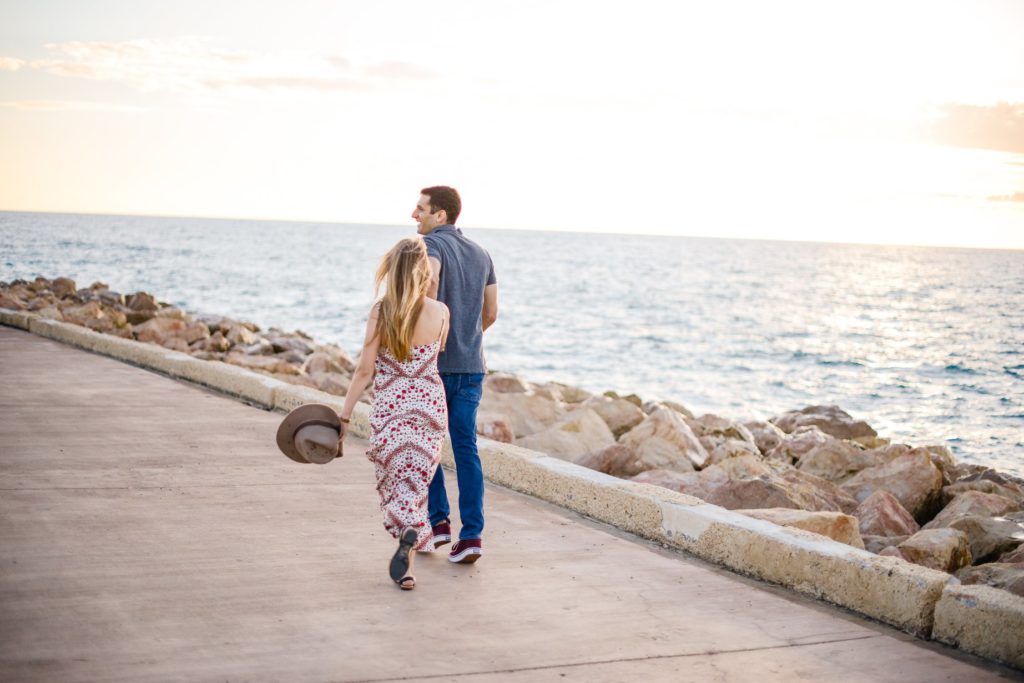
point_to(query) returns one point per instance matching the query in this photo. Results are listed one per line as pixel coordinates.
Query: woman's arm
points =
(364, 370)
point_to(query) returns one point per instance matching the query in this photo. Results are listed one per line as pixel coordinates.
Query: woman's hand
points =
(343, 432)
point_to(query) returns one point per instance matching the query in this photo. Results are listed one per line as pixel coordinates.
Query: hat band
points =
(318, 423)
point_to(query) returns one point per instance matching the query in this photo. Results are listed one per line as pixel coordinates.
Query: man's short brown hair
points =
(444, 197)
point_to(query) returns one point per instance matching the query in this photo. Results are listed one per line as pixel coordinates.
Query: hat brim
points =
(311, 413)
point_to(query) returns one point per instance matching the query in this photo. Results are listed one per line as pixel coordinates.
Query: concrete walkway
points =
(150, 531)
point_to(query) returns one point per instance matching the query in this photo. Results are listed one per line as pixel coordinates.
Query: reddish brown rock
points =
(265, 363)
(1010, 490)
(143, 301)
(876, 544)
(158, 330)
(495, 427)
(619, 414)
(664, 441)
(616, 460)
(575, 435)
(943, 549)
(912, 478)
(832, 420)
(63, 287)
(1013, 556)
(505, 383)
(766, 435)
(834, 525)
(795, 445)
(973, 503)
(882, 515)
(990, 537)
(1008, 576)
(683, 482)
(11, 302)
(836, 460)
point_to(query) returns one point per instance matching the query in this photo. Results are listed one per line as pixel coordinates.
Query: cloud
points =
(999, 127)
(194, 64)
(1015, 197)
(11, 64)
(69, 105)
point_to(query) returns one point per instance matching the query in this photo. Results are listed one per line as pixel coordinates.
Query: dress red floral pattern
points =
(409, 418)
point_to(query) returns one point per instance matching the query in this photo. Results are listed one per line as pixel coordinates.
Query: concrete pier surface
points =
(151, 531)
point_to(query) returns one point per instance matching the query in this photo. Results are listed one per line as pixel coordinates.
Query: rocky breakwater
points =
(817, 469)
(292, 357)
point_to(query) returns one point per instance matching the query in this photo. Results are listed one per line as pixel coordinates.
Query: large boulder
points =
(616, 460)
(1010, 490)
(527, 414)
(264, 363)
(159, 330)
(834, 525)
(973, 503)
(682, 482)
(664, 441)
(721, 448)
(320, 361)
(577, 434)
(912, 478)
(619, 414)
(990, 537)
(876, 544)
(143, 301)
(505, 383)
(1008, 576)
(495, 427)
(240, 335)
(63, 287)
(946, 550)
(801, 441)
(766, 435)
(836, 460)
(295, 342)
(881, 514)
(719, 427)
(832, 420)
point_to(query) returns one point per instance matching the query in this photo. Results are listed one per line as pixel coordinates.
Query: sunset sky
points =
(888, 122)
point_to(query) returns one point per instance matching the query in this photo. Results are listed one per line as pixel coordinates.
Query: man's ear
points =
(442, 217)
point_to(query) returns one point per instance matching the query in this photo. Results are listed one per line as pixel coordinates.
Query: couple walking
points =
(424, 352)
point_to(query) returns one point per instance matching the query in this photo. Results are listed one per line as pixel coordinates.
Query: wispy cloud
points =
(70, 105)
(999, 127)
(190, 64)
(11, 64)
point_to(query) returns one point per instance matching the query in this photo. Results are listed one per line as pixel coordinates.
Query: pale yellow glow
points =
(795, 120)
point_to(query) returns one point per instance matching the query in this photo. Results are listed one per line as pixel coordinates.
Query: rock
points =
(766, 435)
(876, 544)
(290, 356)
(677, 407)
(527, 414)
(50, 312)
(664, 441)
(175, 344)
(571, 394)
(616, 460)
(1011, 492)
(299, 380)
(505, 383)
(943, 549)
(261, 347)
(1013, 556)
(63, 287)
(79, 315)
(143, 301)
(828, 457)
(548, 391)
(158, 330)
(973, 503)
(172, 312)
(990, 537)
(834, 525)
(722, 448)
(832, 420)
(216, 343)
(882, 515)
(240, 334)
(338, 357)
(111, 298)
(264, 363)
(493, 426)
(335, 383)
(320, 361)
(578, 433)
(11, 302)
(715, 426)
(912, 478)
(683, 482)
(619, 414)
(795, 445)
(195, 331)
(285, 342)
(942, 457)
(1008, 576)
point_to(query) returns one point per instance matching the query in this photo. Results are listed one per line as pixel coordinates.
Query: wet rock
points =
(881, 514)
(664, 441)
(990, 537)
(1008, 576)
(495, 427)
(973, 503)
(505, 383)
(946, 550)
(619, 414)
(832, 420)
(912, 478)
(578, 433)
(835, 525)
(766, 435)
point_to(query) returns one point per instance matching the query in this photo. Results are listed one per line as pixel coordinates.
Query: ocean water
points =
(926, 344)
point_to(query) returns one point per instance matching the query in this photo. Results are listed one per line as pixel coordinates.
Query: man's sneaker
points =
(442, 534)
(466, 552)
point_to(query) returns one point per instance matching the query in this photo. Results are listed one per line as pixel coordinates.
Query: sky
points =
(880, 122)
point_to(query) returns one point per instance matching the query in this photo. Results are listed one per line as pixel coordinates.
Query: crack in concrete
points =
(706, 653)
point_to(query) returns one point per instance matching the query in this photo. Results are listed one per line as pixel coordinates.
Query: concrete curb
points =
(983, 620)
(905, 595)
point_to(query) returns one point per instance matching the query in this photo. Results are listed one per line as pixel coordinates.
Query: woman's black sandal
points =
(399, 567)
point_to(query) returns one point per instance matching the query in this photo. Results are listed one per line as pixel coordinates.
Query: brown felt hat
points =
(309, 434)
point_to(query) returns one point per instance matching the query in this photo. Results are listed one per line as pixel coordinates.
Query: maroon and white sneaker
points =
(442, 534)
(466, 552)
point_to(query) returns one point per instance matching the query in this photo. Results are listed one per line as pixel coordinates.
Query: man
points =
(463, 279)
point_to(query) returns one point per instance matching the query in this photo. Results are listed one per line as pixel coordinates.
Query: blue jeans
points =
(463, 392)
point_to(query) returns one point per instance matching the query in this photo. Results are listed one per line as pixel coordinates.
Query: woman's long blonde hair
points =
(405, 273)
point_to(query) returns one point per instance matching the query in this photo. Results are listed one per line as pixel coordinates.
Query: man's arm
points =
(435, 276)
(490, 312)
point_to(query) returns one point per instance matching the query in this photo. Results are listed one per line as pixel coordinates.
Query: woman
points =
(404, 335)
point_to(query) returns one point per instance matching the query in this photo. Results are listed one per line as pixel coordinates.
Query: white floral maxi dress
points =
(409, 418)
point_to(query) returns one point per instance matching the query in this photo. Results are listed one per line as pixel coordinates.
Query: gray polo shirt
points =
(466, 269)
